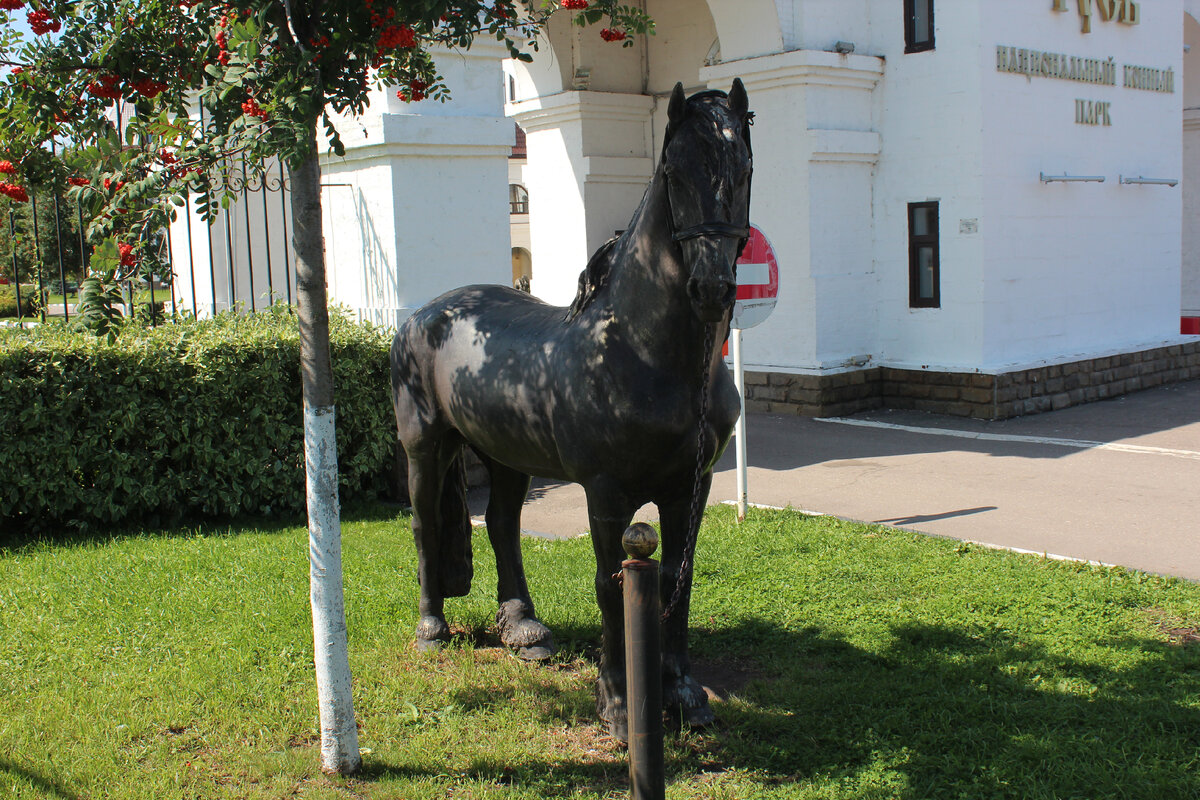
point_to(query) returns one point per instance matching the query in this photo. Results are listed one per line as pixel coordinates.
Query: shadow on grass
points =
(185, 528)
(937, 711)
(39, 782)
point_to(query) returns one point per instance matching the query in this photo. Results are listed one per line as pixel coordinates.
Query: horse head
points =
(707, 163)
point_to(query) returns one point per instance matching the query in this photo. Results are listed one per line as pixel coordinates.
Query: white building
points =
(927, 171)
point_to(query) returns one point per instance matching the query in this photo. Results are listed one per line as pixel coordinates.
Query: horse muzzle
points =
(711, 298)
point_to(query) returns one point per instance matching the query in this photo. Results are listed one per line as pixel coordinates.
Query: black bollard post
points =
(643, 664)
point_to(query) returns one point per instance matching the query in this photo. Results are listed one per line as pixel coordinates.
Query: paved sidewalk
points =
(1116, 481)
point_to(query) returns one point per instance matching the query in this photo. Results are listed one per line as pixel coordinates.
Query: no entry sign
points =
(758, 282)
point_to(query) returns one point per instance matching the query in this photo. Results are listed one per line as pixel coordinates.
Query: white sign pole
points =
(758, 285)
(739, 378)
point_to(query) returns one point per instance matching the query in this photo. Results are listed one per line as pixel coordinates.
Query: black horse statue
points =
(625, 392)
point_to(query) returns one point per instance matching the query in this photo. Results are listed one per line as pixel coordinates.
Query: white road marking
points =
(1078, 444)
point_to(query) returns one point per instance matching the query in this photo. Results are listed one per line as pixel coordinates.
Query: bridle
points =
(725, 229)
(714, 228)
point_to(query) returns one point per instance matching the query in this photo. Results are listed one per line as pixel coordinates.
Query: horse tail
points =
(455, 567)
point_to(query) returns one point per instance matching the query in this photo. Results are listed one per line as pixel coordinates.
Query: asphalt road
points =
(1116, 482)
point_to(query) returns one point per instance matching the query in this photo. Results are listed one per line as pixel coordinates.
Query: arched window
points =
(518, 199)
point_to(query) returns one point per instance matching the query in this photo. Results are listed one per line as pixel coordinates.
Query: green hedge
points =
(193, 418)
(8, 300)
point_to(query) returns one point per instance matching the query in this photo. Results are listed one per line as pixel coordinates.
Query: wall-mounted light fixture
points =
(1044, 178)
(1150, 181)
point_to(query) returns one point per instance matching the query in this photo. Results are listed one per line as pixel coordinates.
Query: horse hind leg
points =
(519, 626)
(441, 529)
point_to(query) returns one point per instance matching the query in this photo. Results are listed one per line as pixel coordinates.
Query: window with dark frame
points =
(918, 25)
(924, 278)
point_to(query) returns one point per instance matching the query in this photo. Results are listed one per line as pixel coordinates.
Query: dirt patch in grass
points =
(1178, 631)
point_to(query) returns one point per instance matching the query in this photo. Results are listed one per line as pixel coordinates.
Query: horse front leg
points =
(684, 698)
(519, 626)
(610, 514)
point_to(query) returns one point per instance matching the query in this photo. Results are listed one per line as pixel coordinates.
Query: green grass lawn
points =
(859, 662)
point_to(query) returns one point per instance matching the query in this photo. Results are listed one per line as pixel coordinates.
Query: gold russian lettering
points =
(1085, 15)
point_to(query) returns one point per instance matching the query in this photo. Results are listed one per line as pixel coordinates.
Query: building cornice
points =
(846, 146)
(556, 110)
(632, 170)
(799, 68)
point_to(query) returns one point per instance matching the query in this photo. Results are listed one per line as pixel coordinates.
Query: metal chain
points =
(689, 547)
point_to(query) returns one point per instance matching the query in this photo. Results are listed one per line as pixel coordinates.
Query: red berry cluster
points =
(14, 191)
(115, 186)
(502, 11)
(128, 259)
(148, 87)
(11, 5)
(17, 70)
(7, 167)
(394, 36)
(79, 181)
(612, 34)
(416, 91)
(109, 87)
(223, 40)
(41, 22)
(251, 108)
(574, 5)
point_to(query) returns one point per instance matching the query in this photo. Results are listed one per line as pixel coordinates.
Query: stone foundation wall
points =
(968, 394)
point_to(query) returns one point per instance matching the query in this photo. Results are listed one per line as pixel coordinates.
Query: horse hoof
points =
(619, 730)
(520, 630)
(537, 652)
(686, 702)
(432, 633)
(429, 645)
(699, 717)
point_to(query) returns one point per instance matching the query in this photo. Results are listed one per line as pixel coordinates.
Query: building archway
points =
(522, 268)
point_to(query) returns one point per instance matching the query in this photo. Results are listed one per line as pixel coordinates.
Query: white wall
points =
(929, 113)
(1191, 164)
(419, 203)
(1078, 268)
(814, 150)
(1029, 271)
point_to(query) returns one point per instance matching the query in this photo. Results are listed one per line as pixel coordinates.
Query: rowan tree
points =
(156, 97)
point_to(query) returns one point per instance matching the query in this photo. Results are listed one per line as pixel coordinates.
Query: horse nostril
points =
(720, 293)
(730, 293)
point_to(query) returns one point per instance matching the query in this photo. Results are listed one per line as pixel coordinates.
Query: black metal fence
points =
(240, 259)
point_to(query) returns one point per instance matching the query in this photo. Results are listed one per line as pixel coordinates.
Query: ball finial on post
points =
(640, 540)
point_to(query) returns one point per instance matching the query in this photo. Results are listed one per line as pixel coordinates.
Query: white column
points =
(419, 203)
(814, 151)
(589, 162)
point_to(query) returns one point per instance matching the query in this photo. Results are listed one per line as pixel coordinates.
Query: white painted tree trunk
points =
(339, 732)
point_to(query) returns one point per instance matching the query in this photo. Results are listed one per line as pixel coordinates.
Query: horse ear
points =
(738, 101)
(678, 106)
